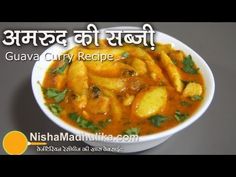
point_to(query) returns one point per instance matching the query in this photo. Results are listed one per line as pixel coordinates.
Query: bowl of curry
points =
(124, 91)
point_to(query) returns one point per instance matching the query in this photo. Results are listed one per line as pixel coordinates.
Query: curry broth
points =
(173, 103)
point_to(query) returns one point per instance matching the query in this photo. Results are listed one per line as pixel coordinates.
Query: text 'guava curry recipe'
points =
(139, 92)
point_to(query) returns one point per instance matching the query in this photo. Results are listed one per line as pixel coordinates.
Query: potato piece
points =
(128, 100)
(99, 105)
(149, 102)
(192, 89)
(116, 84)
(77, 81)
(155, 70)
(116, 108)
(172, 71)
(139, 66)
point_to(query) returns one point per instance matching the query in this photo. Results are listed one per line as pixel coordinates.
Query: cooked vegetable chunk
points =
(139, 66)
(172, 71)
(116, 108)
(128, 100)
(192, 89)
(155, 70)
(149, 102)
(116, 84)
(77, 81)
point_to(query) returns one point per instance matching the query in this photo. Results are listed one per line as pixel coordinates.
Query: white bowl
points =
(147, 141)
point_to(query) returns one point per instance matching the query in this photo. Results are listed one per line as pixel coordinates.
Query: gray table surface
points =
(214, 133)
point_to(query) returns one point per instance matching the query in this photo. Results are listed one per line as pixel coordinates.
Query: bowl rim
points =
(197, 114)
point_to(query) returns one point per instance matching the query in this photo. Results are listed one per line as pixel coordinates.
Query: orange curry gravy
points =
(175, 100)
